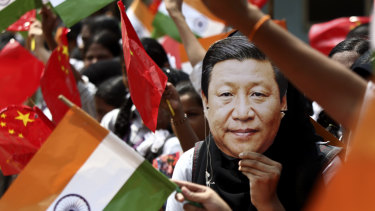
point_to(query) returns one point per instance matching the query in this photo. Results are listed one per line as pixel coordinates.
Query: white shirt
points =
(182, 171)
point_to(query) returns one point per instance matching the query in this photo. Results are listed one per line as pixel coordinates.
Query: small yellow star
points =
(24, 117)
(65, 70)
(20, 135)
(65, 51)
(11, 131)
(3, 124)
(3, 116)
(131, 52)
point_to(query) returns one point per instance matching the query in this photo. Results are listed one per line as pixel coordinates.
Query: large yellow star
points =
(3, 116)
(24, 117)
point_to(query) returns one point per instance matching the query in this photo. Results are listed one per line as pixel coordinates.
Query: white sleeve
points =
(182, 171)
(109, 119)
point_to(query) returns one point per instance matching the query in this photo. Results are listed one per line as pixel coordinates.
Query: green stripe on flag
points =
(14, 11)
(146, 189)
(72, 11)
(164, 25)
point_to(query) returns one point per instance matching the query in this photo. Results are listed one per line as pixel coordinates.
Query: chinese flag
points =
(324, 36)
(22, 131)
(58, 79)
(20, 74)
(352, 188)
(23, 24)
(146, 80)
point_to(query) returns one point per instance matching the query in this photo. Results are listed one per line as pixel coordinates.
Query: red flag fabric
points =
(61, 36)
(22, 131)
(324, 36)
(258, 3)
(23, 24)
(58, 79)
(146, 80)
(20, 74)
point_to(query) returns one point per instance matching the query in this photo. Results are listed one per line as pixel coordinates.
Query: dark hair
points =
(112, 91)
(354, 44)
(363, 65)
(175, 76)
(123, 120)
(102, 70)
(103, 23)
(185, 87)
(108, 40)
(74, 31)
(239, 48)
(296, 179)
(361, 31)
(155, 51)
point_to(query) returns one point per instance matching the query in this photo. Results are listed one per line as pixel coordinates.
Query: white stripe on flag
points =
(198, 23)
(57, 2)
(5, 3)
(101, 176)
(139, 28)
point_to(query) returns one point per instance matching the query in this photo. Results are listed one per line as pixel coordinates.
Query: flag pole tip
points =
(65, 100)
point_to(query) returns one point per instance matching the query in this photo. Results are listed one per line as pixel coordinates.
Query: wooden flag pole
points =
(170, 108)
(271, 8)
(66, 101)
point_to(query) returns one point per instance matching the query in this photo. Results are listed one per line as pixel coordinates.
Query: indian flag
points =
(12, 10)
(200, 20)
(72, 11)
(83, 166)
(141, 18)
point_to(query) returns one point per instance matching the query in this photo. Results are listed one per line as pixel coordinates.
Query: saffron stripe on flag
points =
(108, 167)
(201, 8)
(36, 188)
(142, 13)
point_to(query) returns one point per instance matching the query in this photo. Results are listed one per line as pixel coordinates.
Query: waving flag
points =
(20, 74)
(72, 11)
(58, 79)
(141, 17)
(202, 22)
(83, 166)
(22, 131)
(146, 80)
(324, 36)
